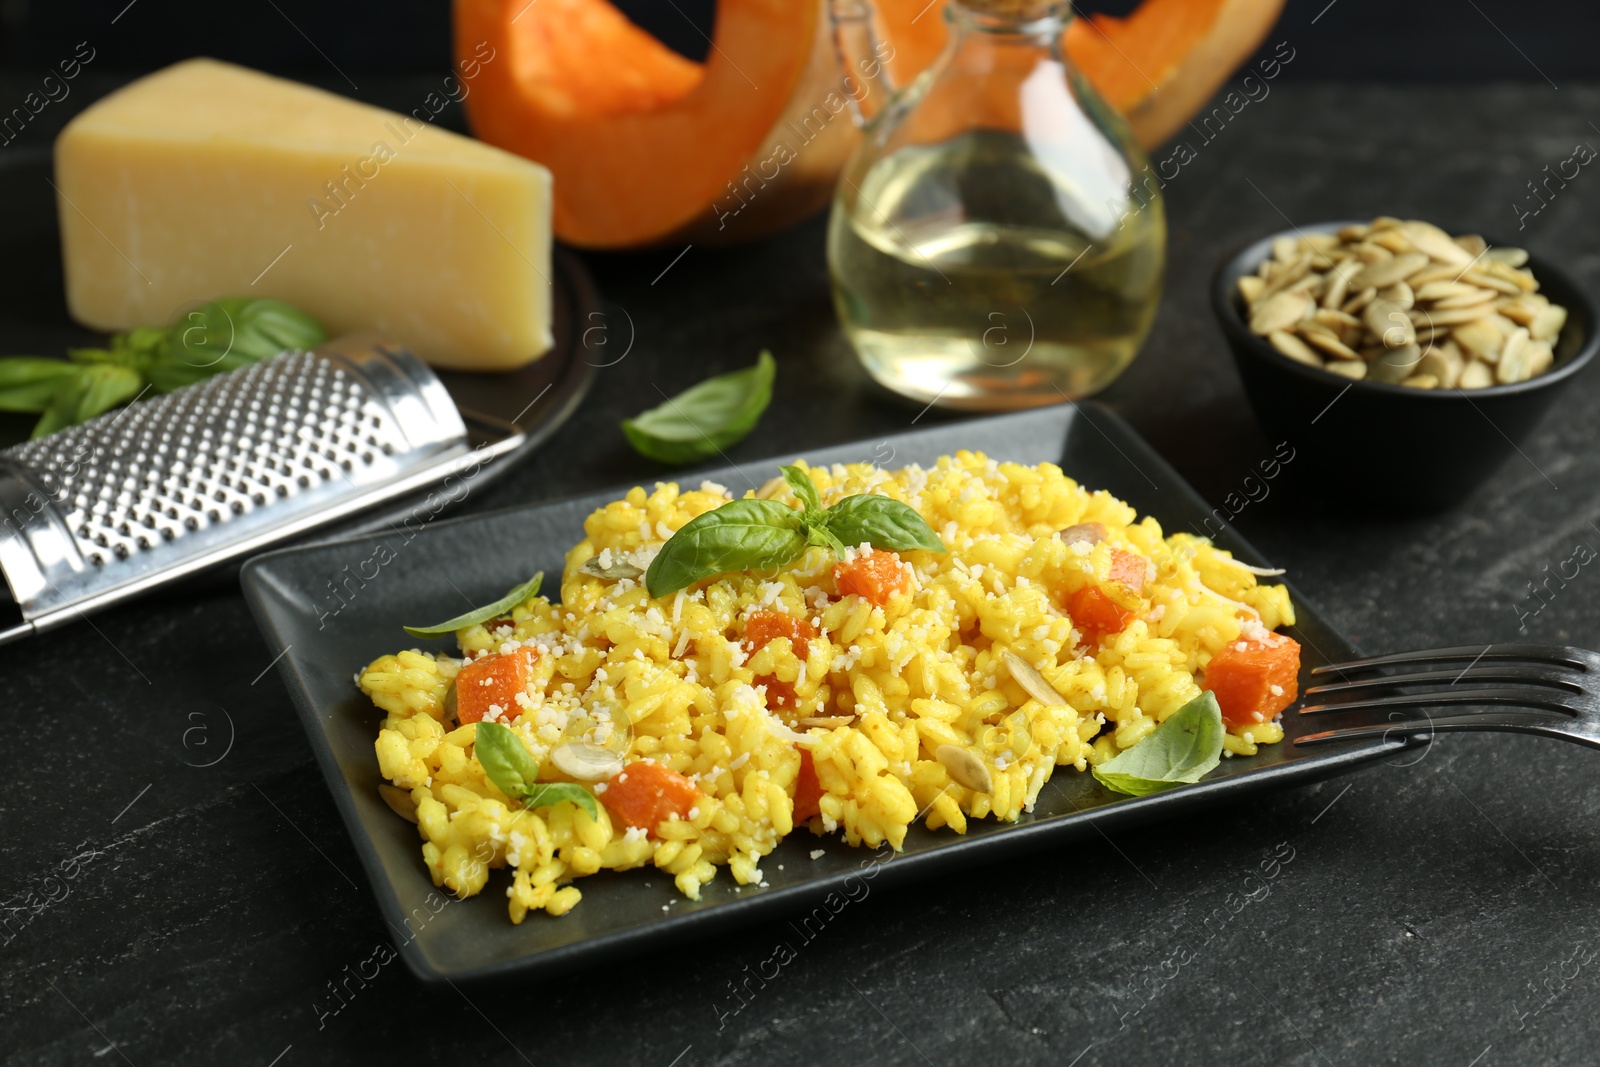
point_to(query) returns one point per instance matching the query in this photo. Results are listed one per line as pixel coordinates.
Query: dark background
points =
(1432, 911)
(1364, 40)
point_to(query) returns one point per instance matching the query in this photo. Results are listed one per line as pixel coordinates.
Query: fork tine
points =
(1532, 722)
(1555, 677)
(1522, 697)
(1539, 653)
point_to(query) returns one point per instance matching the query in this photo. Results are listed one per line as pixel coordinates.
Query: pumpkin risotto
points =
(851, 693)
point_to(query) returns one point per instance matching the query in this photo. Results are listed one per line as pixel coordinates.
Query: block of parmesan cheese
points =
(206, 180)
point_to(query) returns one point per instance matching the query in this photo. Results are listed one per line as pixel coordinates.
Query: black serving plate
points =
(324, 639)
(1411, 450)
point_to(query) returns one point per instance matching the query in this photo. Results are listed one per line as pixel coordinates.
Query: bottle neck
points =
(1040, 22)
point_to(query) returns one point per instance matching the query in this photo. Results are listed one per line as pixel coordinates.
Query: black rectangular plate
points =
(324, 638)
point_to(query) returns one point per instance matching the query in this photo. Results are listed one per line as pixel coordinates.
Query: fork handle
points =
(1537, 723)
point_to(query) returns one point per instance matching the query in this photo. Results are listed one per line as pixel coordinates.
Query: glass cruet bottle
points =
(997, 239)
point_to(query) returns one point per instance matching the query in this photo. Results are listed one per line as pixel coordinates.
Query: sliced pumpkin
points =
(1157, 66)
(648, 147)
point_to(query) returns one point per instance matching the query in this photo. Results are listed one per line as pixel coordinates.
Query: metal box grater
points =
(147, 494)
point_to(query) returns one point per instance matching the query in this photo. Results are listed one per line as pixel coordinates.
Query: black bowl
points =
(1413, 449)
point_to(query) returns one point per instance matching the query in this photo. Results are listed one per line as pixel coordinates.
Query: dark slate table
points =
(1435, 913)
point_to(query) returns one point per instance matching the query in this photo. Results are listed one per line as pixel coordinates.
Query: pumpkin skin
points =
(648, 148)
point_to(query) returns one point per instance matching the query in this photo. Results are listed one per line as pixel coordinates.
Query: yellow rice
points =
(670, 680)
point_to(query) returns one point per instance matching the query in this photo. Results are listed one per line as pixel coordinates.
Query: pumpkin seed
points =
(1484, 280)
(1336, 320)
(1520, 278)
(827, 722)
(1339, 282)
(1389, 324)
(1479, 339)
(1389, 271)
(1546, 325)
(1324, 339)
(1278, 312)
(586, 762)
(1402, 301)
(1359, 301)
(399, 802)
(1348, 368)
(1395, 241)
(1439, 272)
(615, 569)
(1471, 298)
(1090, 533)
(1450, 316)
(1443, 290)
(1429, 239)
(1294, 348)
(1037, 686)
(1501, 323)
(1521, 310)
(1288, 276)
(1476, 375)
(1311, 285)
(1399, 293)
(964, 768)
(1511, 257)
(1395, 365)
(1443, 363)
(1369, 253)
(1540, 358)
(1513, 365)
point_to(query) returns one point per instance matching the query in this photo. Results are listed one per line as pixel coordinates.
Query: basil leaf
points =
(511, 767)
(804, 489)
(222, 336)
(105, 387)
(1181, 750)
(58, 413)
(818, 534)
(250, 328)
(704, 419)
(168, 373)
(881, 522)
(741, 535)
(28, 383)
(93, 390)
(526, 591)
(505, 759)
(555, 792)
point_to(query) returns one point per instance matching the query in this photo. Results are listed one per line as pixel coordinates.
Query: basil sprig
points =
(27, 383)
(526, 591)
(706, 418)
(227, 334)
(753, 534)
(1182, 750)
(507, 762)
(221, 336)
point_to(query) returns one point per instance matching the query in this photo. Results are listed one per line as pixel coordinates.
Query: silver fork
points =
(1549, 690)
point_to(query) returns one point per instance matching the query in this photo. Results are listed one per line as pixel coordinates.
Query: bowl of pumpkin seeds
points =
(1394, 337)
